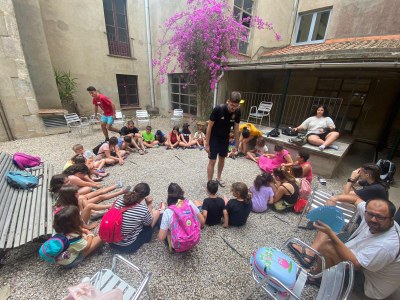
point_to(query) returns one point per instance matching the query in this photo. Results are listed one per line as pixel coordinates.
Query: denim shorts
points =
(108, 120)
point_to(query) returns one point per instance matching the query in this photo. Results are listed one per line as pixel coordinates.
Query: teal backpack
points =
(22, 180)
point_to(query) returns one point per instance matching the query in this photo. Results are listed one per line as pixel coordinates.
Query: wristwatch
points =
(351, 180)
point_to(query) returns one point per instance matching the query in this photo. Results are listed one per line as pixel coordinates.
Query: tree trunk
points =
(204, 98)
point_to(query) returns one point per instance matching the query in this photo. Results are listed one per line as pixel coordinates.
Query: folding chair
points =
(95, 119)
(106, 280)
(336, 282)
(177, 116)
(119, 118)
(142, 116)
(258, 113)
(319, 198)
(74, 121)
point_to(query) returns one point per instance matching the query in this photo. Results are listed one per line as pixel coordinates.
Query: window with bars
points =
(183, 94)
(312, 27)
(243, 9)
(117, 27)
(127, 90)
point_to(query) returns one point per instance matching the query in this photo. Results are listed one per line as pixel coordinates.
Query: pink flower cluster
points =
(201, 38)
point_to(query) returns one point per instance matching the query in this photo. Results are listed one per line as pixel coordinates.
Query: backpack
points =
(298, 140)
(304, 189)
(22, 160)
(185, 228)
(300, 205)
(289, 131)
(55, 248)
(274, 132)
(388, 170)
(96, 149)
(111, 224)
(22, 180)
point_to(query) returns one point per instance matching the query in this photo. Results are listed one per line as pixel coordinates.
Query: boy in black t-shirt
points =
(213, 207)
(133, 132)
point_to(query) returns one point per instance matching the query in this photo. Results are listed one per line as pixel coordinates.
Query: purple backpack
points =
(185, 228)
(22, 160)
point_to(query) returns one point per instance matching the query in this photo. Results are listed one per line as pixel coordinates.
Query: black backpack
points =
(388, 170)
(289, 131)
(97, 148)
(274, 132)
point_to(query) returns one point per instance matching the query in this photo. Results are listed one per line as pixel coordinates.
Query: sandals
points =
(221, 183)
(141, 152)
(302, 256)
(309, 226)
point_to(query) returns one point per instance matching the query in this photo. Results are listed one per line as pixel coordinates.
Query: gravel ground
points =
(210, 271)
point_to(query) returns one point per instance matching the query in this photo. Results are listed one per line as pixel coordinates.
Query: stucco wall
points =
(77, 42)
(16, 92)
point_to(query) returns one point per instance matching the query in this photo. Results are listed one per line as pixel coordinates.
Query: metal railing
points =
(119, 45)
(296, 108)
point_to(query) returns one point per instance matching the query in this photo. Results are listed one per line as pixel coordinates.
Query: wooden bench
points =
(324, 163)
(24, 215)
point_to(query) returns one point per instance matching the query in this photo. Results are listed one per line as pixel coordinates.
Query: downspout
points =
(216, 88)
(149, 54)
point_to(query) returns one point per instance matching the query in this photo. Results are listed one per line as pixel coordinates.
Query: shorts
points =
(109, 120)
(218, 146)
(143, 237)
(322, 136)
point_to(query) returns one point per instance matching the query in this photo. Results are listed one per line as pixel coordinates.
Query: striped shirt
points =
(133, 221)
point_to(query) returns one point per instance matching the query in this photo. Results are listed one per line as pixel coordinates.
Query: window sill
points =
(119, 56)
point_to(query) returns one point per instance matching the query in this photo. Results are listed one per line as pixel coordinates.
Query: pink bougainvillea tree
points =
(199, 40)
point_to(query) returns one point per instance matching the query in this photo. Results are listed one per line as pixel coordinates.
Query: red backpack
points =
(111, 224)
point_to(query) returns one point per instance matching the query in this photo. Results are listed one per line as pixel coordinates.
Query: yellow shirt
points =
(253, 129)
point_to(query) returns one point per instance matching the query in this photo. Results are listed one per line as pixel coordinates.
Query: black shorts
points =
(219, 147)
(322, 136)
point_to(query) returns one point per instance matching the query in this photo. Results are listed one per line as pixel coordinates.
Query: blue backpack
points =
(55, 248)
(22, 180)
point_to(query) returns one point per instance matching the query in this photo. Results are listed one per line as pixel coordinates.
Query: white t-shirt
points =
(377, 253)
(168, 214)
(314, 124)
(261, 150)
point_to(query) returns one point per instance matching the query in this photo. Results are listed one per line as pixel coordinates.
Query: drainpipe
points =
(216, 88)
(149, 54)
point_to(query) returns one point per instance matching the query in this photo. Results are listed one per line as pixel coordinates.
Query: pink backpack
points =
(22, 160)
(111, 224)
(305, 188)
(185, 228)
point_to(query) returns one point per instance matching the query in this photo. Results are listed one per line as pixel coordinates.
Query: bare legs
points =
(107, 127)
(317, 141)
(211, 165)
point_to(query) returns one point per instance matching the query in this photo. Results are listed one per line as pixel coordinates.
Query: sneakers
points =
(322, 147)
(334, 147)
(201, 148)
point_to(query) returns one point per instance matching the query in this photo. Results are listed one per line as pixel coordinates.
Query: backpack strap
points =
(125, 208)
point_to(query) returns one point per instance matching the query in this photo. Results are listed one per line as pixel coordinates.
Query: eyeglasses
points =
(377, 217)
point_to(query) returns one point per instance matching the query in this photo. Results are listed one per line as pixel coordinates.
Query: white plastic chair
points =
(95, 119)
(119, 118)
(177, 116)
(333, 280)
(105, 280)
(74, 121)
(142, 117)
(258, 113)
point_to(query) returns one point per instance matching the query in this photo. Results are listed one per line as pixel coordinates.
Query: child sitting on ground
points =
(173, 139)
(231, 145)
(281, 158)
(199, 137)
(176, 197)
(78, 174)
(128, 144)
(259, 150)
(238, 208)
(261, 192)
(111, 152)
(161, 137)
(213, 207)
(68, 222)
(149, 140)
(98, 164)
(185, 137)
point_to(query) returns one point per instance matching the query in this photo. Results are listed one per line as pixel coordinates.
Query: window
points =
(117, 27)
(183, 95)
(243, 9)
(127, 90)
(312, 27)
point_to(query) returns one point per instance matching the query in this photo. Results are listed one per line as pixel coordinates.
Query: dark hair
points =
(297, 171)
(261, 140)
(77, 168)
(242, 190)
(175, 128)
(245, 132)
(304, 155)
(391, 206)
(158, 132)
(68, 220)
(148, 127)
(235, 97)
(67, 196)
(175, 193)
(212, 187)
(130, 122)
(91, 89)
(127, 139)
(326, 112)
(263, 179)
(56, 182)
(278, 147)
(186, 130)
(113, 141)
(140, 191)
(375, 172)
(78, 159)
(283, 175)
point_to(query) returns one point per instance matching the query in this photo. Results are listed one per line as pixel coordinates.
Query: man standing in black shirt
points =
(222, 118)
